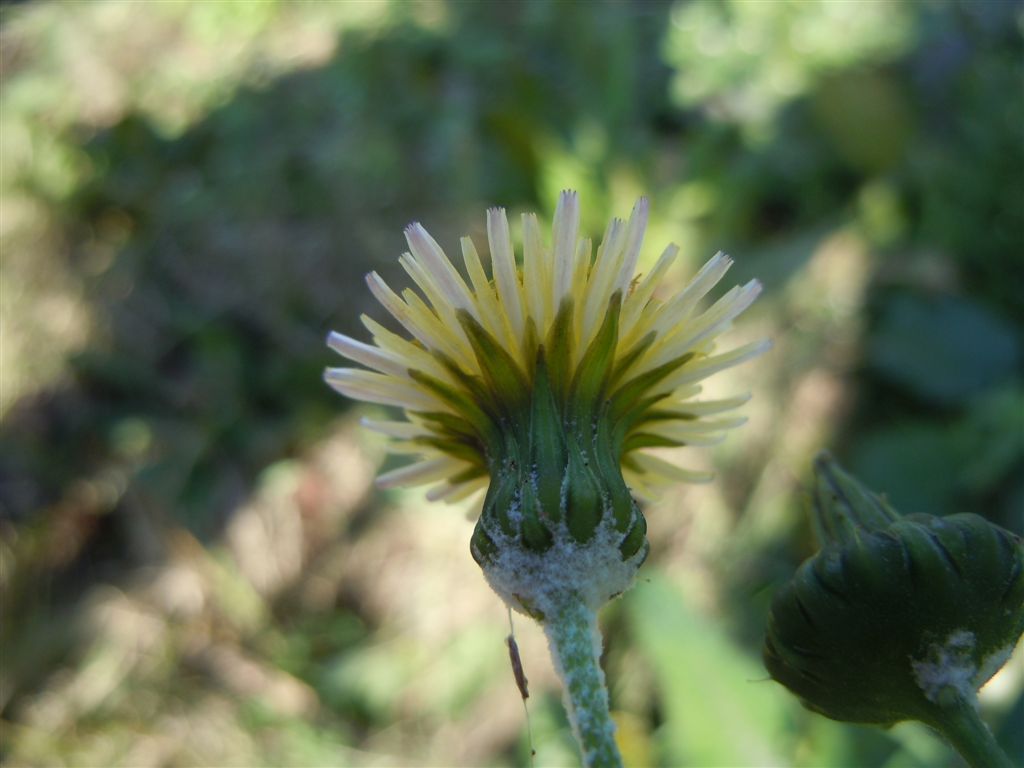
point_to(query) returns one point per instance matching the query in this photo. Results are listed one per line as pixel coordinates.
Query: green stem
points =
(575, 645)
(967, 733)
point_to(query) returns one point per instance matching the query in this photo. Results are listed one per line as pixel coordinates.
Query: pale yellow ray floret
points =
(555, 302)
(506, 274)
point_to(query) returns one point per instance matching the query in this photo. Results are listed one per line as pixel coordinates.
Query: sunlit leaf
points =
(720, 709)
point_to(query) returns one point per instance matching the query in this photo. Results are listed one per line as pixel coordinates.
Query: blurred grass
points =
(195, 569)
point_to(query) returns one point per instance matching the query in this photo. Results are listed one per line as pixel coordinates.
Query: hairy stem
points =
(576, 649)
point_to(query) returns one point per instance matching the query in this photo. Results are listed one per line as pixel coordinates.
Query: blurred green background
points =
(196, 569)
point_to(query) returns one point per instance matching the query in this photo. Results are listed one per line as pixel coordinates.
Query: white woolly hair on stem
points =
(575, 644)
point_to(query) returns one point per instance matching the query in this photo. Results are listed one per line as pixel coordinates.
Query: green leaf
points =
(717, 710)
(943, 350)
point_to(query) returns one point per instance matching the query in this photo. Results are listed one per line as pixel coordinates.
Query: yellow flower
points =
(443, 379)
(547, 384)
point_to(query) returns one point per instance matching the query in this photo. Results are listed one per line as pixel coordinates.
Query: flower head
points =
(548, 382)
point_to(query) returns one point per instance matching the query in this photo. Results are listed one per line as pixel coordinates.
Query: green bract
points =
(558, 462)
(556, 472)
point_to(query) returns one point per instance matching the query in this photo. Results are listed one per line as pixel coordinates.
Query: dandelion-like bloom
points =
(546, 384)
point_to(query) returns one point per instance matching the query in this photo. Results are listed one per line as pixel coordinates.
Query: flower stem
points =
(967, 733)
(575, 644)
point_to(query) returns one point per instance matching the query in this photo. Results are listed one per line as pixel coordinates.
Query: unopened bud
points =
(895, 614)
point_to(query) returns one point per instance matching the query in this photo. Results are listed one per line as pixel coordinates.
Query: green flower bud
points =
(895, 618)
